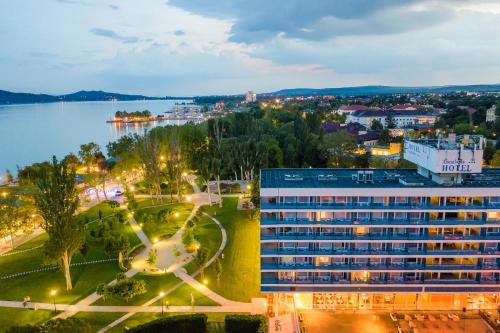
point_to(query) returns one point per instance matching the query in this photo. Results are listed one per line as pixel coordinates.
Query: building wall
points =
(373, 240)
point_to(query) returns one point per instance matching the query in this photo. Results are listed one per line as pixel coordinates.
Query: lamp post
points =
(53, 293)
(162, 302)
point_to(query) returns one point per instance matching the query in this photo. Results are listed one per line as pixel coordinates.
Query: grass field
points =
(10, 317)
(240, 277)
(209, 236)
(154, 228)
(85, 278)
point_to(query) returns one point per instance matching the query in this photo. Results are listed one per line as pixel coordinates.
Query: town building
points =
(250, 97)
(491, 114)
(425, 238)
(390, 152)
(348, 109)
(400, 118)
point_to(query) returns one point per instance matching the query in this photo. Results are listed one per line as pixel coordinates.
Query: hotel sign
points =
(444, 161)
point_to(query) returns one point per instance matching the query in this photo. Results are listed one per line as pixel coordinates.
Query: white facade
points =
(250, 97)
(491, 114)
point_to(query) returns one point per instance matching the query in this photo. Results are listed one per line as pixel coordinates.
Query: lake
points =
(34, 132)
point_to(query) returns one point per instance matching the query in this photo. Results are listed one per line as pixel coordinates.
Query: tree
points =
(152, 257)
(385, 138)
(495, 161)
(14, 217)
(164, 214)
(188, 239)
(201, 259)
(113, 204)
(389, 120)
(148, 148)
(56, 199)
(90, 154)
(340, 148)
(58, 325)
(117, 243)
(218, 269)
(176, 253)
(376, 125)
(126, 288)
(8, 176)
(103, 290)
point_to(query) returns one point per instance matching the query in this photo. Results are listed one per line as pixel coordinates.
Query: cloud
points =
(260, 20)
(179, 32)
(114, 7)
(113, 35)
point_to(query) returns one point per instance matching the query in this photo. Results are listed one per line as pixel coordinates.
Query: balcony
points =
(339, 206)
(330, 281)
(383, 253)
(371, 237)
(350, 222)
(368, 267)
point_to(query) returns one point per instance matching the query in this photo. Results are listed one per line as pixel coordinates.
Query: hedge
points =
(188, 323)
(246, 324)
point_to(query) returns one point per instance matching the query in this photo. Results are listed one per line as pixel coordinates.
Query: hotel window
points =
(340, 216)
(495, 200)
(325, 216)
(364, 201)
(341, 200)
(322, 261)
(325, 200)
(378, 216)
(289, 199)
(303, 215)
(401, 200)
(288, 246)
(492, 216)
(303, 199)
(399, 216)
(363, 216)
(414, 216)
(287, 261)
(304, 246)
(325, 246)
(379, 201)
(289, 216)
(360, 231)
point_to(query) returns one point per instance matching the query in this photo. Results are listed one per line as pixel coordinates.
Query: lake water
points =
(34, 132)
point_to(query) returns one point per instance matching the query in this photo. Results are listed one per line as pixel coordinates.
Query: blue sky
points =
(195, 47)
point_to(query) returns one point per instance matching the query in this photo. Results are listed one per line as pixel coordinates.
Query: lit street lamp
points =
(53, 294)
(162, 302)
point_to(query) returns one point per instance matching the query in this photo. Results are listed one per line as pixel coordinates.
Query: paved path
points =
(245, 307)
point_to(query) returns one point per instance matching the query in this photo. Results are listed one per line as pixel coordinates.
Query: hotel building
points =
(425, 238)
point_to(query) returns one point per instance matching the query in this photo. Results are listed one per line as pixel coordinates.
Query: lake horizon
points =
(32, 133)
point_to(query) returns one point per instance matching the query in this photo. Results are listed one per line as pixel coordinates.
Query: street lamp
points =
(4, 194)
(176, 214)
(162, 302)
(53, 293)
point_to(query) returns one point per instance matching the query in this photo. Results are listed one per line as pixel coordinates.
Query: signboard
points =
(444, 161)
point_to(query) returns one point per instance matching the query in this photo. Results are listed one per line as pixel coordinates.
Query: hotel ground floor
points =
(286, 302)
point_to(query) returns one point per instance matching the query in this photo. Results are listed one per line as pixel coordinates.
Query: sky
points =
(202, 47)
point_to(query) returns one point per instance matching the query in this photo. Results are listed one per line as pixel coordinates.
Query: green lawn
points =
(85, 278)
(182, 296)
(154, 228)
(10, 317)
(154, 285)
(98, 320)
(209, 236)
(240, 276)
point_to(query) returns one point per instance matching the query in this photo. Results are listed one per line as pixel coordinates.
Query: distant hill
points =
(7, 97)
(385, 90)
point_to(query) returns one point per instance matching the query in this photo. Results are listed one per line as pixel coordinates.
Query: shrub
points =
(246, 324)
(188, 323)
(73, 325)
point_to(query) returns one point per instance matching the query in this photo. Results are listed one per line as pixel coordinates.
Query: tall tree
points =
(57, 200)
(148, 147)
(14, 217)
(90, 153)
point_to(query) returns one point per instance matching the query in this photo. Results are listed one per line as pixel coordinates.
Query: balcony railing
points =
(355, 252)
(327, 281)
(368, 267)
(372, 206)
(350, 222)
(384, 237)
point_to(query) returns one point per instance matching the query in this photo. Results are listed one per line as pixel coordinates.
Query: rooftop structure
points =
(250, 97)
